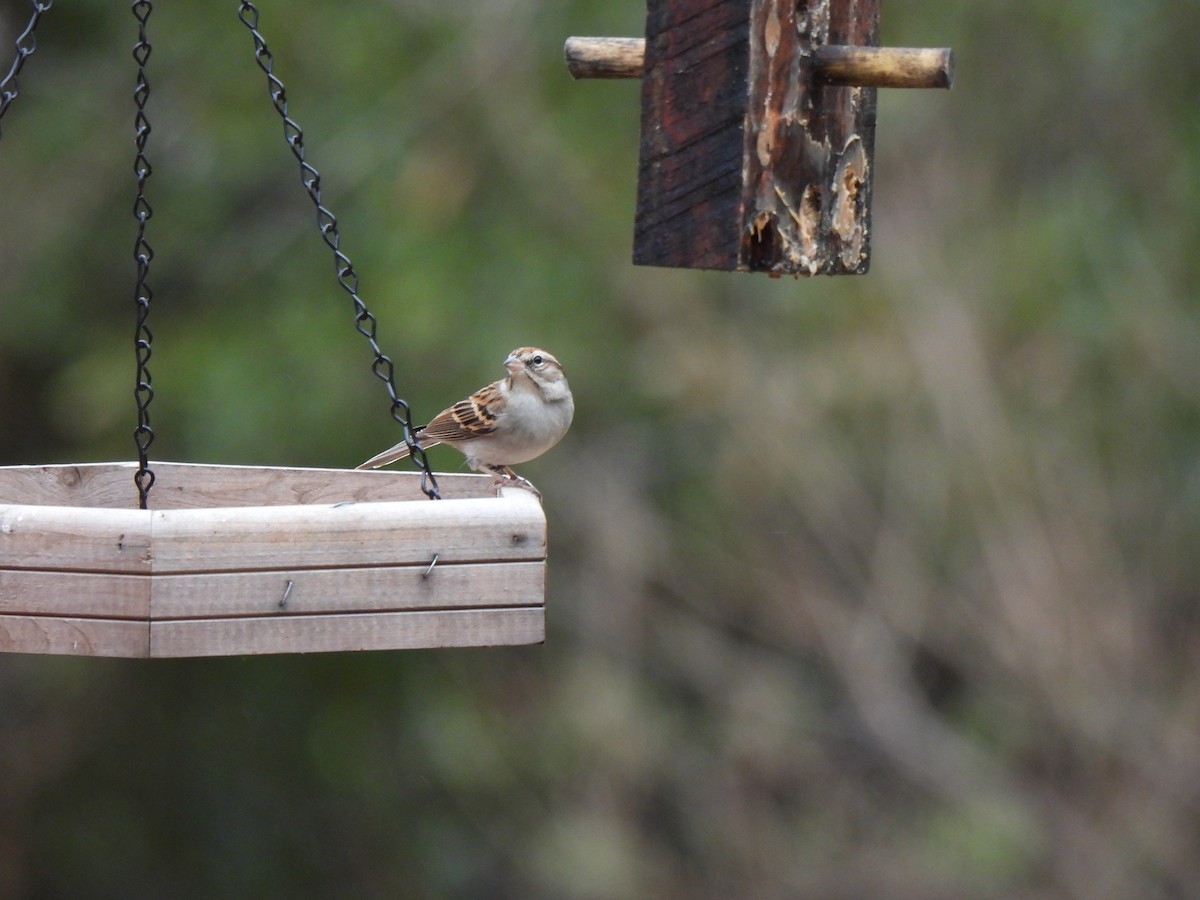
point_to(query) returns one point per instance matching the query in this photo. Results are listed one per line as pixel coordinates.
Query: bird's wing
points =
(467, 419)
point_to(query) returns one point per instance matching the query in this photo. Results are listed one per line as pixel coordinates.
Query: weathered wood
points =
(364, 631)
(246, 612)
(746, 163)
(55, 593)
(605, 57)
(198, 486)
(74, 539)
(75, 636)
(884, 67)
(377, 589)
(355, 534)
(694, 96)
(890, 67)
(278, 576)
(268, 537)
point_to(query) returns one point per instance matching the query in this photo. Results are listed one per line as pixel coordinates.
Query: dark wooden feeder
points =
(758, 129)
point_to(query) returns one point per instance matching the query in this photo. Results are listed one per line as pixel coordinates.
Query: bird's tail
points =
(391, 455)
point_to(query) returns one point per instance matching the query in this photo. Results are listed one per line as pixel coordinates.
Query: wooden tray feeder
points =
(226, 560)
(758, 129)
(239, 560)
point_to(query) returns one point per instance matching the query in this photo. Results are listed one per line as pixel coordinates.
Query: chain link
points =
(10, 85)
(364, 322)
(142, 253)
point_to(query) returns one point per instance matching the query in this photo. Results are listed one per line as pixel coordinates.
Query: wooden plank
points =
(190, 485)
(693, 114)
(364, 631)
(74, 538)
(73, 636)
(382, 589)
(358, 534)
(746, 163)
(86, 595)
(511, 527)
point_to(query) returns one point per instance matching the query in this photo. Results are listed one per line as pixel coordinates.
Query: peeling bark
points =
(746, 164)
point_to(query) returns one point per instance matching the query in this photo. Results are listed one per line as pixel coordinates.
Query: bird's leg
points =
(504, 476)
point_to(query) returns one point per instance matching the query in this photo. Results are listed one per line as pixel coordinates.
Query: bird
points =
(507, 422)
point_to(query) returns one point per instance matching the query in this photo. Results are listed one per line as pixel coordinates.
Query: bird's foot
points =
(503, 476)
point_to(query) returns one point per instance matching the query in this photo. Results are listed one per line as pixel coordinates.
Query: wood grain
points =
(693, 112)
(73, 538)
(194, 485)
(75, 637)
(366, 631)
(89, 595)
(380, 589)
(359, 534)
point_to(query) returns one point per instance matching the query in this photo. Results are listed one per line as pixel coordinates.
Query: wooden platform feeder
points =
(758, 129)
(238, 560)
(169, 560)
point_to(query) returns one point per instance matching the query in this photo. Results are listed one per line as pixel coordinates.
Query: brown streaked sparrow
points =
(510, 421)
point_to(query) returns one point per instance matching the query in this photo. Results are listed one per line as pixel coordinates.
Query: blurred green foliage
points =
(879, 586)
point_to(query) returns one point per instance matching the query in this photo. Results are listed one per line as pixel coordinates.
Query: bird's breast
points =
(528, 428)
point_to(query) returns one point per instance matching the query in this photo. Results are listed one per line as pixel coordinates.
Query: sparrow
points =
(510, 421)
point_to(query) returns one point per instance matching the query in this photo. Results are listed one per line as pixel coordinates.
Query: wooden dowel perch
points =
(890, 67)
(842, 65)
(605, 57)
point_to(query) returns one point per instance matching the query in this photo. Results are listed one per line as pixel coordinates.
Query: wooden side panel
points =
(693, 114)
(196, 486)
(74, 636)
(256, 612)
(74, 539)
(78, 594)
(363, 631)
(361, 534)
(381, 589)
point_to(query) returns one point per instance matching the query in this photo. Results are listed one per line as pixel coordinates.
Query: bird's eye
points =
(537, 360)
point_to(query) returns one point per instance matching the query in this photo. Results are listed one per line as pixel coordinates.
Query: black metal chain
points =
(10, 85)
(143, 435)
(364, 322)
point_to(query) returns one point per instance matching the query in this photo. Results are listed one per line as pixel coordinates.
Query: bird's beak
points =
(513, 365)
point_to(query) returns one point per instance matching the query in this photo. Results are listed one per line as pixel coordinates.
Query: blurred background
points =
(859, 587)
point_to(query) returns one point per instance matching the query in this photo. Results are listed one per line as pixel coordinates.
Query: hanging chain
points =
(26, 43)
(143, 435)
(364, 322)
